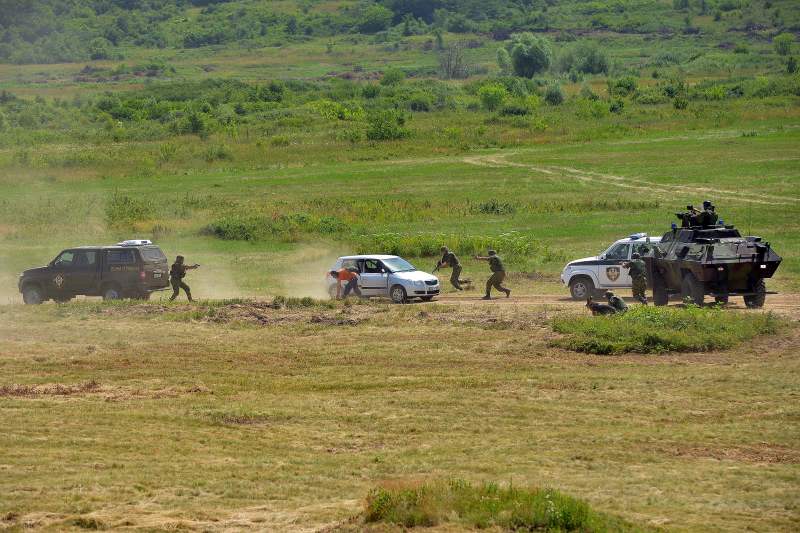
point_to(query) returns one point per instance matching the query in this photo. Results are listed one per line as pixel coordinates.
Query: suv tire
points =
(756, 301)
(111, 292)
(398, 294)
(692, 290)
(32, 295)
(581, 287)
(660, 296)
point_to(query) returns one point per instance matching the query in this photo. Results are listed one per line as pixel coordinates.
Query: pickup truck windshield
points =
(398, 265)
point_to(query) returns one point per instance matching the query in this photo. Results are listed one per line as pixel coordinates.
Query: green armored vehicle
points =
(699, 260)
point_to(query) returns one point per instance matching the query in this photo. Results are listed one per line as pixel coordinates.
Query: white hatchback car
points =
(585, 277)
(387, 276)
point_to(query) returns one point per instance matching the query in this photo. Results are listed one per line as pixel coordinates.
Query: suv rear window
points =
(121, 257)
(153, 255)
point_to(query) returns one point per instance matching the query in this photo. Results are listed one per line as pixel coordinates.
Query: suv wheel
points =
(581, 287)
(111, 293)
(692, 291)
(757, 300)
(398, 294)
(32, 295)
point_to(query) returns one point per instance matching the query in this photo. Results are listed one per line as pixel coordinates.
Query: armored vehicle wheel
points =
(660, 296)
(692, 290)
(398, 294)
(111, 293)
(581, 287)
(757, 300)
(32, 295)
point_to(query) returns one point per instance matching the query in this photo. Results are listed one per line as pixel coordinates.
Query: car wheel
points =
(111, 293)
(692, 291)
(660, 296)
(757, 300)
(581, 287)
(32, 295)
(398, 294)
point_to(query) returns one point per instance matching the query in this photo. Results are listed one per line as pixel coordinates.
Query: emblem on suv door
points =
(59, 280)
(612, 273)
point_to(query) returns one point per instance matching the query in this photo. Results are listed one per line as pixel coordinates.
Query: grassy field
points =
(238, 416)
(272, 151)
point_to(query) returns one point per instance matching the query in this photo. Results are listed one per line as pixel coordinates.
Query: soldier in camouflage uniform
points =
(450, 259)
(638, 273)
(616, 302)
(498, 274)
(176, 274)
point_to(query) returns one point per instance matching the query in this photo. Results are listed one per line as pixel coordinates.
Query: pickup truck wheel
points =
(32, 295)
(692, 291)
(660, 296)
(757, 300)
(111, 293)
(581, 287)
(398, 294)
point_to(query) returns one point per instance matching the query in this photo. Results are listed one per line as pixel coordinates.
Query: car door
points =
(57, 285)
(611, 273)
(82, 273)
(121, 267)
(374, 278)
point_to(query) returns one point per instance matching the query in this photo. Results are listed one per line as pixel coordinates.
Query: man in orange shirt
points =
(350, 278)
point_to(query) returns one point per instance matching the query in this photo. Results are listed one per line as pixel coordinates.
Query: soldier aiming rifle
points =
(176, 274)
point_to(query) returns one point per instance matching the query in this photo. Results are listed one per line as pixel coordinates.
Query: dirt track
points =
(786, 304)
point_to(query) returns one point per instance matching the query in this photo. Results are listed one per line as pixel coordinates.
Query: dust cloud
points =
(212, 281)
(305, 269)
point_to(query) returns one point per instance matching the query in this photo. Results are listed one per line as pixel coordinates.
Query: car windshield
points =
(397, 264)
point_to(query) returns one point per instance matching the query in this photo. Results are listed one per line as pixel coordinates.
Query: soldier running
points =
(638, 273)
(450, 259)
(176, 274)
(498, 274)
(616, 302)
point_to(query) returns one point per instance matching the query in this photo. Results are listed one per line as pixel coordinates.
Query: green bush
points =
(393, 76)
(122, 209)
(530, 54)
(387, 125)
(485, 506)
(554, 95)
(662, 329)
(492, 96)
(783, 43)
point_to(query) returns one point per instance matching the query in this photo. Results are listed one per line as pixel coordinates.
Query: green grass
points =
(483, 506)
(663, 329)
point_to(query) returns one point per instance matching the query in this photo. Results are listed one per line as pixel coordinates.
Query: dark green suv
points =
(130, 269)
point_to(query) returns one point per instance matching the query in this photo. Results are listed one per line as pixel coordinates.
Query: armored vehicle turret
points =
(716, 260)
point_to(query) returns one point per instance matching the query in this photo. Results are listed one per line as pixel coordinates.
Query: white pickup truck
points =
(590, 275)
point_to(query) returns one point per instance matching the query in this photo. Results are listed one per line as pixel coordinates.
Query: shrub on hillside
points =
(554, 95)
(492, 96)
(530, 54)
(387, 125)
(783, 43)
(662, 329)
(486, 506)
